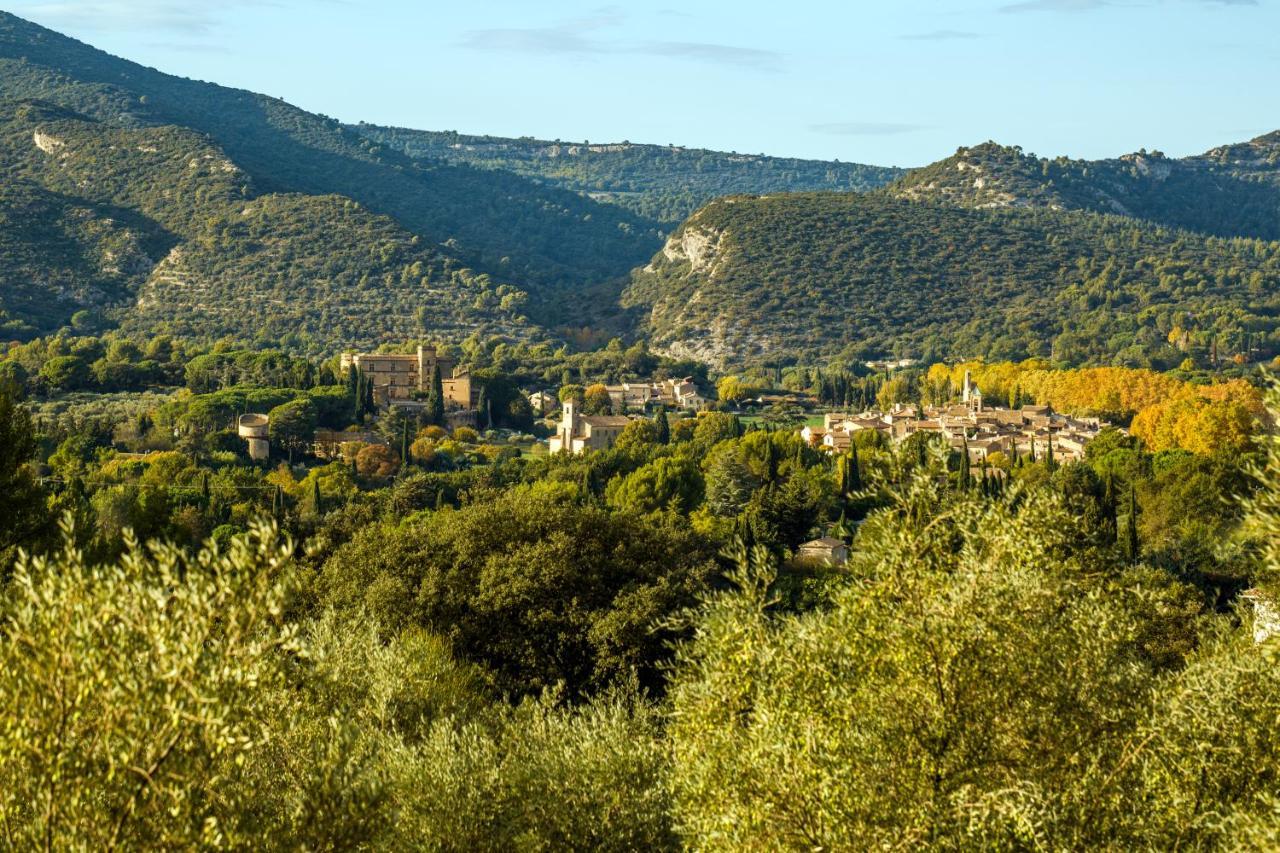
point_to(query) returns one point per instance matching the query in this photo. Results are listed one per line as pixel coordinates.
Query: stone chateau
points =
(403, 377)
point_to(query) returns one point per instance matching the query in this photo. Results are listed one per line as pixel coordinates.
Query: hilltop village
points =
(968, 426)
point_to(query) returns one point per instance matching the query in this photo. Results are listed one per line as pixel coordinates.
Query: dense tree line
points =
(1212, 196)
(663, 183)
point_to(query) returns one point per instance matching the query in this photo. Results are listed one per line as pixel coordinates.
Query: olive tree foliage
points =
(980, 681)
(130, 691)
(967, 689)
(167, 701)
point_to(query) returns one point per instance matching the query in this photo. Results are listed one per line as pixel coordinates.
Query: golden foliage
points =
(1167, 412)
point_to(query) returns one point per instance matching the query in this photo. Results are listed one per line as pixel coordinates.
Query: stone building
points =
(403, 376)
(579, 433)
(827, 551)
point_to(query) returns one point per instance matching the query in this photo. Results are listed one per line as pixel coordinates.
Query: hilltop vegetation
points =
(814, 276)
(661, 182)
(168, 234)
(493, 220)
(60, 255)
(1232, 191)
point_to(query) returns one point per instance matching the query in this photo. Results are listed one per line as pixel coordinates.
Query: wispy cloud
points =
(583, 36)
(706, 52)
(189, 19)
(1088, 5)
(866, 128)
(941, 35)
(1055, 6)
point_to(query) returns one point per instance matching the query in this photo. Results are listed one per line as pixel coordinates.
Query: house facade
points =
(578, 433)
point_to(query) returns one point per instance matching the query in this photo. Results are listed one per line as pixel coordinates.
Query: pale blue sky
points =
(899, 82)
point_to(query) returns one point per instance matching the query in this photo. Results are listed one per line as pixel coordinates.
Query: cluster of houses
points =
(578, 433)
(1028, 432)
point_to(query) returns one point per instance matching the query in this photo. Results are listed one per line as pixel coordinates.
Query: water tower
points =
(253, 429)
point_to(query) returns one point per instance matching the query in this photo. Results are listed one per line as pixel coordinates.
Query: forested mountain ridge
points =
(1232, 191)
(497, 221)
(171, 235)
(815, 276)
(662, 182)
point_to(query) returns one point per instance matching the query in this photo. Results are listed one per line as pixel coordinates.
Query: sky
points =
(892, 82)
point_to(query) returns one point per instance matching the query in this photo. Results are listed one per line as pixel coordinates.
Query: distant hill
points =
(659, 182)
(1230, 191)
(540, 236)
(815, 276)
(159, 228)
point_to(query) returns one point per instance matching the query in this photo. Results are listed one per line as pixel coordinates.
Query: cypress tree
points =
(1109, 507)
(435, 398)
(965, 478)
(277, 503)
(1049, 459)
(317, 504)
(1133, 547)
(369, 406)
(204, 488)
(663, 425)
(482, 405)
(404, 441)
(855, 469)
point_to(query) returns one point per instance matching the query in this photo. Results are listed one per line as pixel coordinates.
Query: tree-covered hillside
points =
(1233, 191)
(817, 275)
(497, 221)
(188, 244)
(59, 255)
(662, 182)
